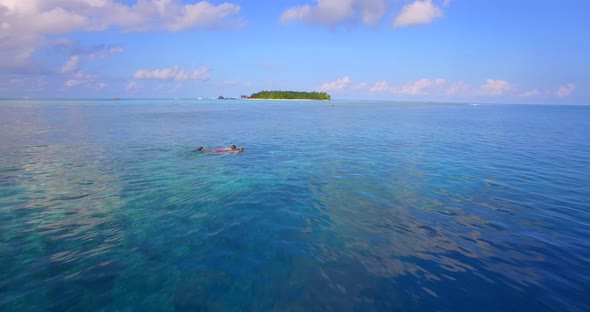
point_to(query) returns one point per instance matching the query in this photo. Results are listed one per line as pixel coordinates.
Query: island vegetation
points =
(290, 95)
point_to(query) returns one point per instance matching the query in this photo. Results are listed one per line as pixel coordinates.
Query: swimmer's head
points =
(201, 148)
(240, 149)
(233, 147)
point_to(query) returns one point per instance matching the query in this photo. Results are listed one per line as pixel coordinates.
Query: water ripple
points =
(372, 206)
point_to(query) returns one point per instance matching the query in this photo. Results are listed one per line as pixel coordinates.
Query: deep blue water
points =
(360, 206)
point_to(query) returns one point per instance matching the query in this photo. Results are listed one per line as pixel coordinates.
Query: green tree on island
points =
(290, 95)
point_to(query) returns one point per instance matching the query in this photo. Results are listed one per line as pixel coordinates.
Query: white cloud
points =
(381, 86)
(418, 87)
(71, 64)
(131, 86)
(72, 83)
(566, 90)
(78, 79)
(296, 13)
(335, 12)
(84, 79)
(531, 93)
(336, 85)
(25, 83)
(442, 89)
(173, 73)
(198, 15)
(62, 16)
(16, 52)
(24, 24)
(496, 87)
(432, 87)
(361, 86)
(416, 13)
(459, 88)
(102, 53)
(88, 54)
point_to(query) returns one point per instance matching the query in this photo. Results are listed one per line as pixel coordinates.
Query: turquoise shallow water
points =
(105, 205)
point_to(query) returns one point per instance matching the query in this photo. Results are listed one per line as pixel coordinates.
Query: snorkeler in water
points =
(231, 149)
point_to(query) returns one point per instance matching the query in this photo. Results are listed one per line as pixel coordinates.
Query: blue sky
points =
(501, 51)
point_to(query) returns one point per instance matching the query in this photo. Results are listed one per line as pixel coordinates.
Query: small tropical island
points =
(290, 95)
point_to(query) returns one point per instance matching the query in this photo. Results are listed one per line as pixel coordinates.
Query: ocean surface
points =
(332, 206)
